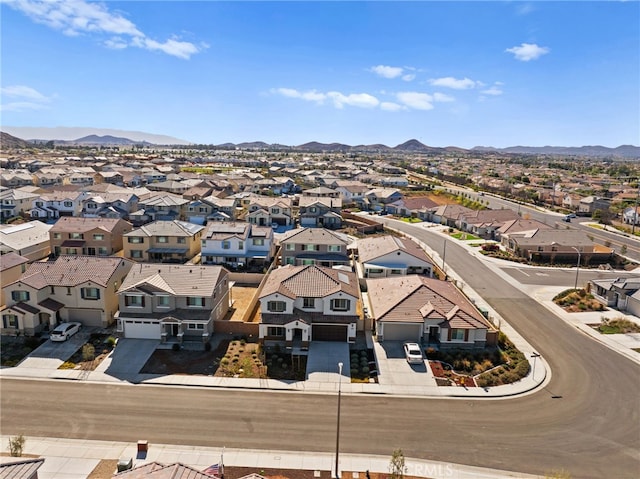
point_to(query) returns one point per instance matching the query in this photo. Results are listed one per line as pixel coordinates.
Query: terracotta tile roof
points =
(372, 248)
(220, 230)
(72, 271)
(167, 228)
(11, 259)
(156, 470)
(413, 298)
(310, 281)
(179, 280)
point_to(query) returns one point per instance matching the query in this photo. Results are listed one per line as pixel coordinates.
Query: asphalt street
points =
(586, 421)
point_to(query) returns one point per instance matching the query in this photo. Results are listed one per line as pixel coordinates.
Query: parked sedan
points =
(64, 331)
(413, 353)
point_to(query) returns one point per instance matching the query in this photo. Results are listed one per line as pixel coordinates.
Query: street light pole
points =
(535, 356)
(577, 266)
(338, 426)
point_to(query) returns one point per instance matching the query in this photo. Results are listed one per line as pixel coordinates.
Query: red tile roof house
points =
(88, 236)
(299, 304)
(72, 288)
(420, 309)
(173, 303)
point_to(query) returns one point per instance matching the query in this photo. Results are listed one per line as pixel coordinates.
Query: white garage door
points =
(137, 329)
(88, 317)
(402, 332)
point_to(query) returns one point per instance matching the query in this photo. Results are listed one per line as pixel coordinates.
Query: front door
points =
(175, 329)
(433, 334)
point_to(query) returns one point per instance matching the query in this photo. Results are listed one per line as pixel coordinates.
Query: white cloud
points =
(527, 51)
(451, 82)
(525, 9)
(409, 77)
(443, 98)
(494, 91)
(387, 71)
(415, 100)
(78, 17)
(391, 106)
(361, 100)
(23, 98)
(311, 95)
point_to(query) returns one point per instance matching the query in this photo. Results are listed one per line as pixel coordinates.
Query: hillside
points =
(8, 142)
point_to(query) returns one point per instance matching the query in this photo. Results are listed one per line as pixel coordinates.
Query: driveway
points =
(51, 355)
(128, 357)
(394, 370)
(323, 359)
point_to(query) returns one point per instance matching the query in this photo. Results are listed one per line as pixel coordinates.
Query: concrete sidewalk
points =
(76, 459)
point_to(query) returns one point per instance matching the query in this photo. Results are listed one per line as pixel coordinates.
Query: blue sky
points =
(445, 73)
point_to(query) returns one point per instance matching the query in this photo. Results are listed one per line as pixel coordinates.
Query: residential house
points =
(211, 208)
(383, 256)
(305, 246)
(485, 223)
(321, 192)
(631, 215)
(352, 192)
(590, 204)
(12, 265)
(71, 288)
(111, 177)
(160, 207)
(109, 205)
(163, 242)
(300, 304)
(557, 246)
(30, 240)
(519, 226)
(416, 207)
(172, 303)
(15, 178)
(427, 310)
(170, 186)
(322, 212)
(21, 468)
(617, 293)
(448, 214)
(55, 204)
(88, 236)
(15, 202)
(237, 244)
(266, 211)
(571, 201)
(157, 470)
(380, 197)
(275, 186)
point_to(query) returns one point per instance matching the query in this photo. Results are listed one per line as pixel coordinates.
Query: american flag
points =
(215, 469)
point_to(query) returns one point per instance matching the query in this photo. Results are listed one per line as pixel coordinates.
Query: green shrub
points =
(224, 361)
(175, 347)
(111, 341)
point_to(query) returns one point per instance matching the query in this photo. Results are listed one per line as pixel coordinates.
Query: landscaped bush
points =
(175, 347)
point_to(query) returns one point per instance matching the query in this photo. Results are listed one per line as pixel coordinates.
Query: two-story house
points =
(53, 205)
(87, 236)
(305, 246)
(267, 211)
(383, 256)
(237, 244)
(172, 303)
(12, 265)
(320, 212)
(109, 205)
(15, 202)
(71, 288)
(299, 304)
(160, 207)
(30, 240)
(163, 242)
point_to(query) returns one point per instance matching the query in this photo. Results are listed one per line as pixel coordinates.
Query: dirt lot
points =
(167, 361)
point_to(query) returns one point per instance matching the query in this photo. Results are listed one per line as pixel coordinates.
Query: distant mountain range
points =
(102, 137)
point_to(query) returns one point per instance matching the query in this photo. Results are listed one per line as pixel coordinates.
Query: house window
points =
(275, 331)
(195, 326)
(68, 291)
(68, 204)
(134, 300)
(72, 251)
(375, 270)
(90, 293)
(313, 209)
(136, 253)
(163, 301)
(10, 320)
(276, 306)
(335, 248)
(457, 334)
(57, 236)
(258, 241)
(290, 247)
(102, 251)
(20, 295)
(195, 302)
(290, 260)
(308, 303)
(34, 214)
(540, 248)
(202, 210)
(396, 271)
(275, 211)
(39, 204)
(98, 237)
(53, 289)
(135, 239)
(226, 245)
(340, 304)
(182, 240)
(91, 206)
(307, 262)
(76, 236)
(240, 244)
(310, 247)
(163, 239)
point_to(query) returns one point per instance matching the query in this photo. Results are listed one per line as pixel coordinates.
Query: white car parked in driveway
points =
(64, 331)
(413, 353)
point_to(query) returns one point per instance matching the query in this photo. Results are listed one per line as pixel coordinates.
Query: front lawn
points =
(411, 220)
(464, 236)
(92, 353)
(14, 349)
